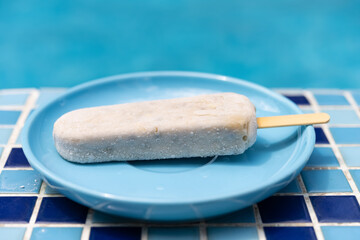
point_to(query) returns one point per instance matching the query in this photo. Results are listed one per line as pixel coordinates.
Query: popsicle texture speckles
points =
(206, 125)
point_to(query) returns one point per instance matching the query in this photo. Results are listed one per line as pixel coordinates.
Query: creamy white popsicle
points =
(200, 126)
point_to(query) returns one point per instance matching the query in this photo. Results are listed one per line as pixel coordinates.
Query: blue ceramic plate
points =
(170, 190)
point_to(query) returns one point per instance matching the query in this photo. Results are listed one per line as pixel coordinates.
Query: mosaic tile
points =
(61, 209)
(232, 233)
(245, 215)
(292, 187)
(16, 209)
(336, 208)
(9, 117)
(115, 233)
(322, 157)
(56, 233)
(346, 135)
(320, 136)
(343, 116)
(284, 209)
(356, 176)
(12, 233)
(20, 181)
(298, 99)
(13, 99)
(17, 158)
(293, 233)
(5, 134)
(165, 233)
(351, 156)
(356, 96)
(341, 232)
(325, 181)
(100, 217)
(327, 99)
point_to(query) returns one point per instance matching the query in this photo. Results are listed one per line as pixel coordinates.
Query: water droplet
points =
(22, 186)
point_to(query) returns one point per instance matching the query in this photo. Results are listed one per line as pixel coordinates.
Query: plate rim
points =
(47, 174)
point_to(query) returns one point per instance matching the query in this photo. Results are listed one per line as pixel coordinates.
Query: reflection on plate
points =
(171, 189)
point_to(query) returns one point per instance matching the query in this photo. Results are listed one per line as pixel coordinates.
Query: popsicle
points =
(206, 125)
(200, 126)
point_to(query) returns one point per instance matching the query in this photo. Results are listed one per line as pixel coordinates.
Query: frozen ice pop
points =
(200, 126)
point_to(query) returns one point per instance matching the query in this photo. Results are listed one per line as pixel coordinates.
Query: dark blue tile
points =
(112, 233)
(61, 209)
(299, 99)
(17, 159)
(293, 233)
(9, 117)
(320, 136)
(336, 208)
(16, 209)
(284, 209)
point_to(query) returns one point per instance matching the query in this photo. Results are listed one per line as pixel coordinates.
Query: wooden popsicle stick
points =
(292, 120)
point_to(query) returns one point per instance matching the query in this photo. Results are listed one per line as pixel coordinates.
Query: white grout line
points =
(7, 125)
(17, 168)
(259, 223)
(335, 107)
(202, 231)
(80, 225)
(24, 194)
(12, 107)
(313, 217)
(35, 212)
(87, 227)
(16, 91)
(144, 233)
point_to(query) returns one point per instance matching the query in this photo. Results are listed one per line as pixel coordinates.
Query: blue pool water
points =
(277, 43)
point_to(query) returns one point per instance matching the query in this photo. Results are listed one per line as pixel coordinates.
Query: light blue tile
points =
(325, 181)
(172, 233)
(245, 215)
(346, 135)
(18, 140)
(232, 233)
(341, 232)
(48, 94)
(322, 157)
(56, 233)
(356, 96)
(343, 116)
(356, 176)
(50, 190)
(5, 135)
(13, 99)
(327, 99)
(19, 181)
(292, 187)
(12, 233)
(351, 156)
(9, 117)
(1, 150)
(307, 110)
(100, 217)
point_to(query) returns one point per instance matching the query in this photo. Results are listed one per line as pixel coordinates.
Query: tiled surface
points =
(341, 232)
(56, 233)
(321, 203)
(325, 181)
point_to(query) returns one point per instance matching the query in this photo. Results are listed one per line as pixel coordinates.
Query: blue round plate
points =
(170, 190)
